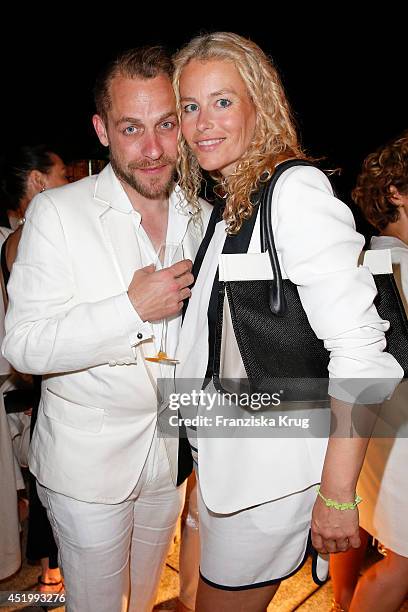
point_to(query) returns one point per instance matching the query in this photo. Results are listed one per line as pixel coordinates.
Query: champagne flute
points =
(168, 254)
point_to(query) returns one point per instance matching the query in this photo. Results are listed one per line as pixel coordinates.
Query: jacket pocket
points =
(78, 416)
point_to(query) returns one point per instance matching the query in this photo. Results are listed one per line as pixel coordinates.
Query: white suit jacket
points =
(70, 320)
(319, 248)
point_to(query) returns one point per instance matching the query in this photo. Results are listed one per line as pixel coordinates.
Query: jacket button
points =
(139, 336)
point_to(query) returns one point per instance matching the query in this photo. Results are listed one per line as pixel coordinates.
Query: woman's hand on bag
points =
(334, 530)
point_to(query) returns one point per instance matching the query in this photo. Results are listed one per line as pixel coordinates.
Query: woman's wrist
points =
(339, 504)
(345, 493)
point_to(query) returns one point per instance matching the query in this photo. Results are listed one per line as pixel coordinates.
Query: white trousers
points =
(112, 555)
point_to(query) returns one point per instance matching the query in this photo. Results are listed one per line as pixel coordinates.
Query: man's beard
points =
(153, 191)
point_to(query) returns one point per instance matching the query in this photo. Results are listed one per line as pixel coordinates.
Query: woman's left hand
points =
(334, 530)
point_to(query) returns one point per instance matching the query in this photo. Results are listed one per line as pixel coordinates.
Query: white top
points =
(319, 249)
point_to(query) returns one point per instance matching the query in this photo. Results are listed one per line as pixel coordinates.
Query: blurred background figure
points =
(189, 558)
(382, 195)
(26, 172)
(10, 554)
(80, 168)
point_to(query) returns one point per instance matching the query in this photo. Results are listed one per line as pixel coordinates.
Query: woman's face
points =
(218, 116)
(56, 175)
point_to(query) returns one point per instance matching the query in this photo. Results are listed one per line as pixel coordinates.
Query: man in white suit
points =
(85, 309)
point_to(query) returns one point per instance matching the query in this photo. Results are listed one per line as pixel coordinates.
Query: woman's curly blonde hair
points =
(385, 168)
(275, 137)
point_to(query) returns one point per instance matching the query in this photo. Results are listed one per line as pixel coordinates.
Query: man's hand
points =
(156, 295)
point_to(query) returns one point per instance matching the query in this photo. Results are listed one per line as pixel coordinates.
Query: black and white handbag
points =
(278, 347)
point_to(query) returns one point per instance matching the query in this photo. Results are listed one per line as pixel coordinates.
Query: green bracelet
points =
(331, 503)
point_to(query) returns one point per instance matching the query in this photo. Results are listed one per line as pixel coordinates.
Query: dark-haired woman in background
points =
(27, 171)
(382, 195)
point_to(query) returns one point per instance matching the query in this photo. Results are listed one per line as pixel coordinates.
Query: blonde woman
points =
(256, 496)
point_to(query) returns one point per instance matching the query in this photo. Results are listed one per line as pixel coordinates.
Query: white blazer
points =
(319, 248)
(70, 320)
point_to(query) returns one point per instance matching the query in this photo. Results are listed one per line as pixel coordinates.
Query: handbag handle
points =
(276, 300)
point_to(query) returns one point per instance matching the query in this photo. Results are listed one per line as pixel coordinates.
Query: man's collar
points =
(109, 191)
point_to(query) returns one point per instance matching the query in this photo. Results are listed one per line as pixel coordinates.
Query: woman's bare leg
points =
(50, 575)
(345, 571)
(210, 599)
(383, 587)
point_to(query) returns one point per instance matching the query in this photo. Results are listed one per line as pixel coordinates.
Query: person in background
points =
(382, 195)
(27, 171)
(10, 482)
(86, 308)
(189, 556)
(257, 497)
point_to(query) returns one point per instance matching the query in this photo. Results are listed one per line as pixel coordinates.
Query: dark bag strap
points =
(277, 302)
(216, 216)
(239, 243)
(185, 459)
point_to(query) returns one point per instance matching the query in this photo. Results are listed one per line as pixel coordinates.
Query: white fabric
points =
(80, 247)
(399, 254)
(19, 434)
(378, 262)
(244, 266)
(19, 424)
(257, 545)
(382, 483)
(319, 249)
(4, 364)
(10, 473)
(95, 541)
(10, 551)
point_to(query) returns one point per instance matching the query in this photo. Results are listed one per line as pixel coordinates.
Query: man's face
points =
(141, 131)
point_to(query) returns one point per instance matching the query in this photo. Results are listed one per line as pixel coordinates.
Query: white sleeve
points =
(47, 330)
(319, 246)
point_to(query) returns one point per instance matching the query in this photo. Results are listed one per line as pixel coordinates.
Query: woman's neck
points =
(398, 229)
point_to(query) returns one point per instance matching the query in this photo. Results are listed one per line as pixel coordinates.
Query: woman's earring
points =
(42, 188)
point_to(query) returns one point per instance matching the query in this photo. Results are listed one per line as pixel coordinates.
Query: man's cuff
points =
(136, 329)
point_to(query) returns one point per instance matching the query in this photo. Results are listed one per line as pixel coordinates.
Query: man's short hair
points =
(142, 62)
